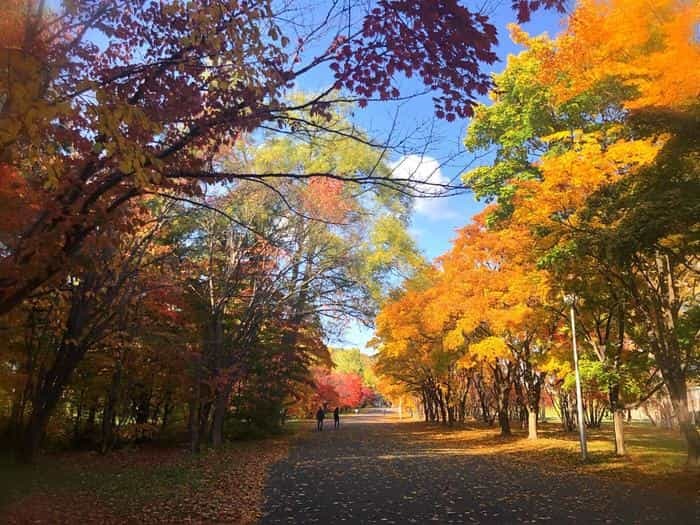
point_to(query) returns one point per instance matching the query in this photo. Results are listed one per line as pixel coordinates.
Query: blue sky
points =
(434, 221)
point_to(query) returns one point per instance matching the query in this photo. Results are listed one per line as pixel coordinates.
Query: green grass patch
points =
(126, 482)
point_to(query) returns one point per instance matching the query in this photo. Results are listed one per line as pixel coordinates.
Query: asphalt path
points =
(376, 469)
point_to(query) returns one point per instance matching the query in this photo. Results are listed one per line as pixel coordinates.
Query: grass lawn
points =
(656, 457)
(141, 484)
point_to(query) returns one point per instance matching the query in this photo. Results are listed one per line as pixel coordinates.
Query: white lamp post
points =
(570, 300)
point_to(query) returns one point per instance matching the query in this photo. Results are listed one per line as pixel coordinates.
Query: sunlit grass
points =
(655, 457)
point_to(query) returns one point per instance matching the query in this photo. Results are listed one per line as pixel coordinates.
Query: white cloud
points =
(425, 169)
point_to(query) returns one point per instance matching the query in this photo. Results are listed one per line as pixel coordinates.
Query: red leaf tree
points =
(108, 100)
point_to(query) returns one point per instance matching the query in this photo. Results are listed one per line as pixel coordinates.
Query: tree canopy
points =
(592, 183)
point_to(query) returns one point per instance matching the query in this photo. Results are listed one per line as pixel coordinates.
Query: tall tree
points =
(102, 100)
(643, 231)
(534, 128)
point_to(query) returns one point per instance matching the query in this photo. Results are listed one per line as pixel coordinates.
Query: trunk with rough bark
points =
(520, 411)
(503, 420)
(440, 405)
(483, 402)
(220, 410)
(678, 391)
(502, 386)
(214, 346)
(46, 398)
(449, 401)
(195, 405)
(668, 352)
(108, 413)
(70, 352)
(167, 409)
(566, 411)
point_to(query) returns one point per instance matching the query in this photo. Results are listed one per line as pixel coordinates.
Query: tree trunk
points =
(532, 381)
(503, 406)
(649, 416)
(217, 424)
(167, 409)
(195, 404)
(69, 353)
(462, 416)
(142, 406)
(618, 418)
(219, 416)
(503, 420)
(204, 424)
(33, 434)
(46, 398)
(108, 414)
(450, 406)
(618, 424)
(533, 411)
(481, 393)
(532, 424)
(502, 371)
(442, 405)
(521, 408)
(15, 423)
(679, 399)
(77, 420)
(669, 355)
(107, 438)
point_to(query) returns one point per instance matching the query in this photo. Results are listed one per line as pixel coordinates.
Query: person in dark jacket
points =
(320, 416)
(336, 418)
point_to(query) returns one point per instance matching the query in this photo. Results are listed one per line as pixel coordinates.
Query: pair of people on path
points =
(321, 415)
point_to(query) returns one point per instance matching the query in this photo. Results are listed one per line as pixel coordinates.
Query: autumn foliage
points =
(650, 46)
(105, 102)
(347, 382)
(594, 176)
(182, 230)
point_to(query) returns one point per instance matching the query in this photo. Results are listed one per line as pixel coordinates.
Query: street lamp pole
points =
(570, 300)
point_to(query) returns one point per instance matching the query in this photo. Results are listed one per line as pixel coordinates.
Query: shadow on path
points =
(378, 470)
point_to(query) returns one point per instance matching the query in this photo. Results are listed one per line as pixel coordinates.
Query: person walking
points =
(320, 416)
(336, 418)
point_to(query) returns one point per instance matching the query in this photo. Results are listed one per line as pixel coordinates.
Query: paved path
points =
(376, 470)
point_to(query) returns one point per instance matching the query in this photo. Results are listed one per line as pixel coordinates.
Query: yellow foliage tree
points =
(652, 46)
